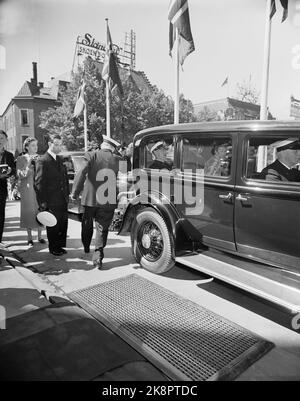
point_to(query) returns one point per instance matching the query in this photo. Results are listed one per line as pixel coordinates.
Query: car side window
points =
(159, 153)
(274, 159)
(212, 155)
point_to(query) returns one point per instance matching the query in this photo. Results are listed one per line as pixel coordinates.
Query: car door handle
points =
(226, 197)
(242, 198)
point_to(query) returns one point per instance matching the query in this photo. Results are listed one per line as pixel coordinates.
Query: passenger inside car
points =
(159, 153)
(218, 164)
(284, 168)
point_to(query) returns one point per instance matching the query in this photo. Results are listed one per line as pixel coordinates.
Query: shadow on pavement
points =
(39, 257)
(20, 300)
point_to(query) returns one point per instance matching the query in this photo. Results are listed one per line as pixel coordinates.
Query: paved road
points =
(75, 271)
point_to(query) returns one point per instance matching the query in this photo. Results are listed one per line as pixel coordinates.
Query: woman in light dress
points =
(29, 205)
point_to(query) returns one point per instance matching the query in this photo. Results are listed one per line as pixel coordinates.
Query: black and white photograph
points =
(149, 194)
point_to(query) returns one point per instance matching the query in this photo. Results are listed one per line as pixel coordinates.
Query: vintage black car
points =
(239, 208)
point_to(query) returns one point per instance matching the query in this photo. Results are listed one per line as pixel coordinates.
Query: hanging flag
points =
(80, 102)
(225, 82)
(110, 72)
(179, 18)
(273, 8)
(284, 4)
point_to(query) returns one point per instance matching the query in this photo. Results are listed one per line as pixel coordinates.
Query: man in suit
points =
(282, 169)
(52, 188)
(98, 180)
(5, 158)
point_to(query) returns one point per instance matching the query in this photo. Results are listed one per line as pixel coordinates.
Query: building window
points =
(24, 117)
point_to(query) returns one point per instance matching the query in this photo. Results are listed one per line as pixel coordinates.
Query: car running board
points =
(274, 284)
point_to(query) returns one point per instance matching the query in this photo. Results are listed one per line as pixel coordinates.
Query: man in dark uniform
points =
(159, 155)
(282, 169)
(87, 222)
(52, 189)
(92, 179)
(5, 158)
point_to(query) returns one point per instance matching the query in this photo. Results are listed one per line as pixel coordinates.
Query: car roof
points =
(222, 126)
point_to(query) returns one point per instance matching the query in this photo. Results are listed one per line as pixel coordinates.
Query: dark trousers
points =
(57, 235)
(3, 196)
(103, 217)
(87, 227)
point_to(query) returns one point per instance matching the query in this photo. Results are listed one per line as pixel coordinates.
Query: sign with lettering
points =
(87, 45)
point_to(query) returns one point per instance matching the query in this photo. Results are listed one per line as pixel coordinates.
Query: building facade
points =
(227, 108)
(20, 119)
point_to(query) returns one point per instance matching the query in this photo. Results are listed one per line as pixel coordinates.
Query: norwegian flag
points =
(179, 18)
(110, 72)
(80, 102)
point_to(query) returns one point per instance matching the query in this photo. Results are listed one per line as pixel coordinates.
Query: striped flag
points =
(284, 4)
(80, 102)
(110, 72)
(179, 18)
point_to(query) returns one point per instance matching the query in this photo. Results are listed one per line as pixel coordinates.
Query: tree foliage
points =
(141, 109)
(247, 92)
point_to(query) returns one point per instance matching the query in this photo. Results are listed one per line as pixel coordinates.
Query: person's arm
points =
(272, 175)
(80, 179)
(12, 164)
(40, 183)
(23, 168)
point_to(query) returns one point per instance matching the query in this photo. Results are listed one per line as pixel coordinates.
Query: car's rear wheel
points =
(151, 241)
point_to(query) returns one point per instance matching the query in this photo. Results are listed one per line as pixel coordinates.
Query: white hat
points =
(111, 141)
(290, 143)
(156, 146)
(46, 219)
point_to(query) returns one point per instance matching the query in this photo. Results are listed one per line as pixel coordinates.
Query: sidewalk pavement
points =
(58, 277)
(54, 341)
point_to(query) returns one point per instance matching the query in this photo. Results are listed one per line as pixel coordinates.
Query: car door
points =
(267, 213)
(212, 216)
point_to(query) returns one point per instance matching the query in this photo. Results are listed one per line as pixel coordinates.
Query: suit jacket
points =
(51, 181)
(7, 158)
(278, 172)
(86, 179)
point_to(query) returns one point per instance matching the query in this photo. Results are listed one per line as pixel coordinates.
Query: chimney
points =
(41, 84)
(34, 69)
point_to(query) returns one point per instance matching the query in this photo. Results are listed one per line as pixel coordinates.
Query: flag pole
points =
(107, 93)
(266, 64)
(85, 126)
(176, 100)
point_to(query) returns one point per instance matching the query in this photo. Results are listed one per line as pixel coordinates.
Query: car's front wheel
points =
(152, 244)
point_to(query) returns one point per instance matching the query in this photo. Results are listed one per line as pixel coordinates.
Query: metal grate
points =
(185, 340)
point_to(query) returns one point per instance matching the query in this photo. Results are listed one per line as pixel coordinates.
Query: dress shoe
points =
(62, 250)
(98, 263)
(30, 243)
(98, 257)
(42, 241)
(57, 253)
